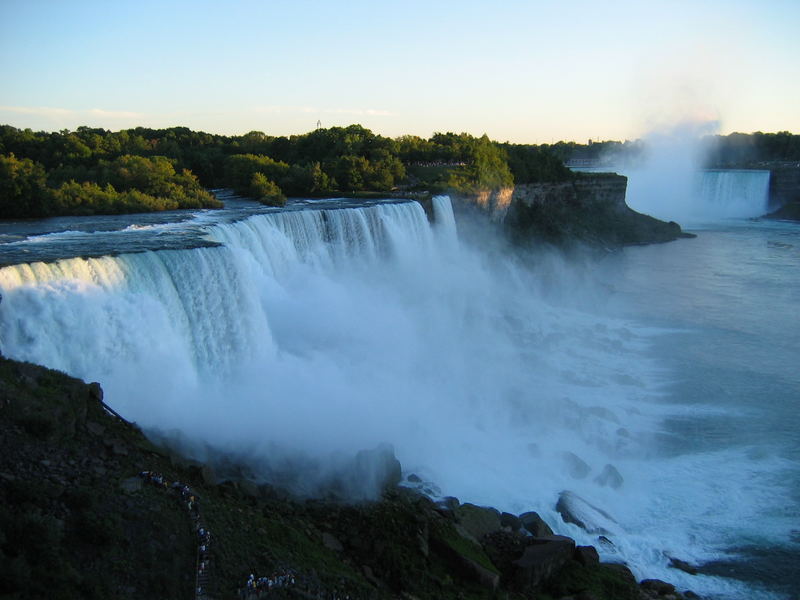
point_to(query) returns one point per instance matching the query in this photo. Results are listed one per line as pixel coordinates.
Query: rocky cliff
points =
(589, 209)
(90, 508)
(784, 193)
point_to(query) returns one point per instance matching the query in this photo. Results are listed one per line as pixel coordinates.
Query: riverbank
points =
(77, 520)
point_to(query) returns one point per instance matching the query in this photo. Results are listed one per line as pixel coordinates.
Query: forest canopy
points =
(92, 170)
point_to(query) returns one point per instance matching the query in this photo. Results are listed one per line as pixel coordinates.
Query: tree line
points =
(753, 149)
(96, 171)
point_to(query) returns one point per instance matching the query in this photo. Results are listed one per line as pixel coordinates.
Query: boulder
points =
(658, 587)
(576, 466)
(542, 559)
(513, 522)
(609, 476)
(478, 521)
(487, 578)
(587, 556)
(621, 571)
(448, 506)
(466, 555)
(534, 524)
(95, 391)
(576, 510)
(682, 565)
(372, 472)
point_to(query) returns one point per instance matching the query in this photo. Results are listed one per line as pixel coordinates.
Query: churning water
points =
(302, 336)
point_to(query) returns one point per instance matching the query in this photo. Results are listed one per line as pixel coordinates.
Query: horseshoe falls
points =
(295, 338)
(672, 191)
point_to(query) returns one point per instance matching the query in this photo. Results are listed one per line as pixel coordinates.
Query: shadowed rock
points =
(576, 510)
(610, 476)
(534, 524)
(587, 556)
(576, 466)
(478, 521)
(542, 559)
(511, 521)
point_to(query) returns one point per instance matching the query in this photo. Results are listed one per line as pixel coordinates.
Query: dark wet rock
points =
(374, 471)
(605, 542)
(534, 524)
(610, 476)
(478, 520)
(576, 466)
(660, 588)
(504, 547)
(465, 554)
(587, 556)
(542, 559)
(96, 391)
(413, 478)
(576, 510)
(513, 522)
(682, 565)
(622, 570)
(448, 506)
(486, 577)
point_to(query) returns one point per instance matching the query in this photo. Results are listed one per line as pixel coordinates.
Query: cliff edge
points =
(588, 209)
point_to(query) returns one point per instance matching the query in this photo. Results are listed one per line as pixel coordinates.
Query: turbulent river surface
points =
(300, 336)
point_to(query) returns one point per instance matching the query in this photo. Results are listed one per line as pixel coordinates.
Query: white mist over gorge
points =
(306, 336)
(669, 184)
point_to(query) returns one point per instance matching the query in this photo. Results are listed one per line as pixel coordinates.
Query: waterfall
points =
(734, 193)
(304, 336)
(678, 192)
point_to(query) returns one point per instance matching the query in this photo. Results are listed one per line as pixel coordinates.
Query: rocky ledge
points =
(589, 209)
(77, 520)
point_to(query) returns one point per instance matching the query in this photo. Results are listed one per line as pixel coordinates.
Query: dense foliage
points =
(98, 171)
(126, 184)
(750, 149)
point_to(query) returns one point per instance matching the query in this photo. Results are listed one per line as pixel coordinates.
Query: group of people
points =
(256, 587)
(191, 501)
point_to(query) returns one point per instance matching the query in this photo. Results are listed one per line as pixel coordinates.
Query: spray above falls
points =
(670, 183)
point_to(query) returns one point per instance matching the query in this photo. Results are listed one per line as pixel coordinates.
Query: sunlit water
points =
(302, 336)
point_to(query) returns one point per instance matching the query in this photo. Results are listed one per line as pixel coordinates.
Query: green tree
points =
(266, 191)
(23, 188)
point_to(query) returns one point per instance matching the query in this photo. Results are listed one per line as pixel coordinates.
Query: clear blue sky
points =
(530, 71)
